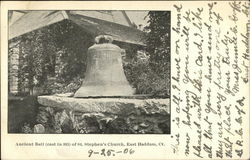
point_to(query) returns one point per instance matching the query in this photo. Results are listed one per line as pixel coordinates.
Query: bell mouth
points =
(104, 90)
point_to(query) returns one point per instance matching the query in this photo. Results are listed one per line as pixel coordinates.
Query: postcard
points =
(125, 80)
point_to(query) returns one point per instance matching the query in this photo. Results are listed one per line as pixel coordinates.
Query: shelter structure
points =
(90, 23)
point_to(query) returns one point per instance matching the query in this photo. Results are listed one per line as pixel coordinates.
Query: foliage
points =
(26, 128)
(56, 51)
(158, 43)
(53, 86)
(143, 78)
(152, 76)
(152, 118)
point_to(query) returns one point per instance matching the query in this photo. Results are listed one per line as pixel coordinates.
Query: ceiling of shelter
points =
(114, 23)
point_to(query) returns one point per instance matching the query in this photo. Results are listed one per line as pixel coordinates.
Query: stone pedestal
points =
(103, 115)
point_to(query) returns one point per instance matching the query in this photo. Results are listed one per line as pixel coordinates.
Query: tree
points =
(158, 43)
(158, 39)
(55, 51)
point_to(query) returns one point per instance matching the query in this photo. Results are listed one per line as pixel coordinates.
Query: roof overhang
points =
(35, 20)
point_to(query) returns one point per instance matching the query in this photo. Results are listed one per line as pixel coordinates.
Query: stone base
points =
(103, 115)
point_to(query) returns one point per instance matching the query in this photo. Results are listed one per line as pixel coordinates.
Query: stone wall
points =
(105, 115)
(13, 66)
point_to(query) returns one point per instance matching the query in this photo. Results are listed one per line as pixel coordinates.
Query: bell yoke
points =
(104, 73)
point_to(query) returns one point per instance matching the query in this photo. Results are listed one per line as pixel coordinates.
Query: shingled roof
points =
(114, 24)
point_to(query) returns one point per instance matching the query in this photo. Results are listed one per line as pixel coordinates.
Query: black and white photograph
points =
(89, 72)
(119, 80)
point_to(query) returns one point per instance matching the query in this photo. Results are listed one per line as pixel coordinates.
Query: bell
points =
(104, 73)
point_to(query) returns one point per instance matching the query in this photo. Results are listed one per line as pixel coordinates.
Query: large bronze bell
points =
(104, 75)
